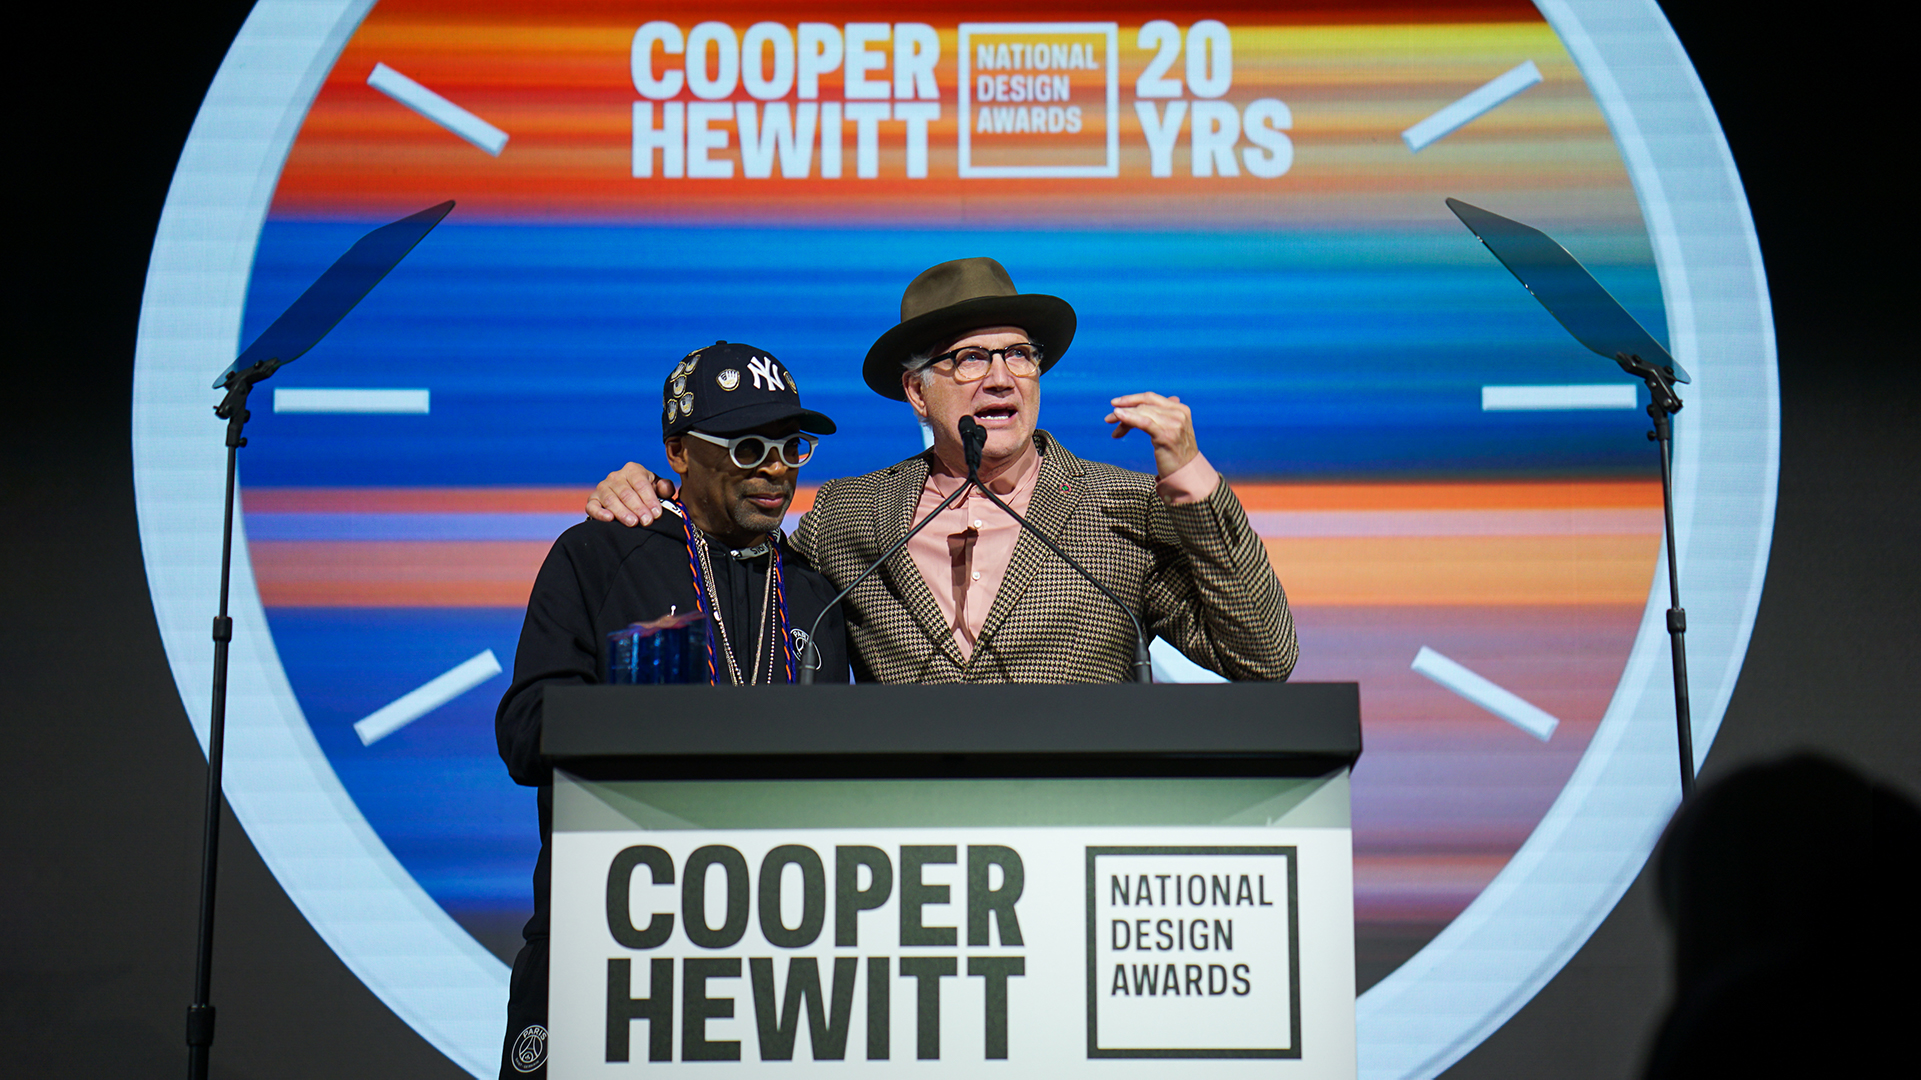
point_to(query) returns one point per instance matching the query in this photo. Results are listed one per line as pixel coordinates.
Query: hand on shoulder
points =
(631, 496)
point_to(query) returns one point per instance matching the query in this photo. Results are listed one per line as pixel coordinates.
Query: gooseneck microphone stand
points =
(1663, 403)
(1597, 320)
(810, 656)
(298, 329)
(974, 439)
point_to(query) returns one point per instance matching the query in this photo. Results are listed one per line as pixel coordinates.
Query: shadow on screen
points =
(1790, 890)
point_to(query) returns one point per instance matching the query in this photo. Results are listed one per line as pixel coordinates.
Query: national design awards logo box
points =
(1039, 99)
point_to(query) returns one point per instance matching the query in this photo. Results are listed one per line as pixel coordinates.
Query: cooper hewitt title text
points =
(787, 899)
(1020, 99)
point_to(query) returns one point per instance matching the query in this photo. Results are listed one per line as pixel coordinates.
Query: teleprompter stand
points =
(298, 329)
(1595, 319)
(1663, 403)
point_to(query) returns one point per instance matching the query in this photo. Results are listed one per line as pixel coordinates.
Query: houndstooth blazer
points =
(1197, 575)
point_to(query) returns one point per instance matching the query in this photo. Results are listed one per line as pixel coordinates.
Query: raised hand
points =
(1167, 422)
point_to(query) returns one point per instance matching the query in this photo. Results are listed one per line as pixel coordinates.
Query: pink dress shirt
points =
(963, 553)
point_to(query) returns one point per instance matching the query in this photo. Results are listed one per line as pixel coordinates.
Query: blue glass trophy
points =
(670, 649)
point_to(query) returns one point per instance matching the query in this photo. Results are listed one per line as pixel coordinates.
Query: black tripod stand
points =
(298, 329)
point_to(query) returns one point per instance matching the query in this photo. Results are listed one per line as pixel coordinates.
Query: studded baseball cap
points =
(729, 387)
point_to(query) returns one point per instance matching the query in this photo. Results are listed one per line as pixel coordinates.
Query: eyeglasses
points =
(972, 363)
(748, 451)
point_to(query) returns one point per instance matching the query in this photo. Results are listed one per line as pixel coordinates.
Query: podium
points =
(1031, 881)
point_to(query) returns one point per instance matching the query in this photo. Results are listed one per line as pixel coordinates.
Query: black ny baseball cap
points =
(729, 387)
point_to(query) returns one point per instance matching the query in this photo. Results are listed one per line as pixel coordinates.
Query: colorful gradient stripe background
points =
(1331, 328)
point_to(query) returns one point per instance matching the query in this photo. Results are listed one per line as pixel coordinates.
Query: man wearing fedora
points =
(973, 599)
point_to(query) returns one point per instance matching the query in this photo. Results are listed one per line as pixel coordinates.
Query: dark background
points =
(101, 855)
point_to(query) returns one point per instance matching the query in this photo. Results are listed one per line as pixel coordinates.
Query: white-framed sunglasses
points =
(748, 451)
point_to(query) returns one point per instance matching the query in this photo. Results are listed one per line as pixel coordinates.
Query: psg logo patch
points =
(530, 1049)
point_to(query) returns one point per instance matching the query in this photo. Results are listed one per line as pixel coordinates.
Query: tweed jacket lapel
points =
(895, 510)
(1057, 492)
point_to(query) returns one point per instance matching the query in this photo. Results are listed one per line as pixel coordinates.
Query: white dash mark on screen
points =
(1579, 396)
(415, 704)
(323, 400)
(1502, 703)
(1470, 107)
(438, 109)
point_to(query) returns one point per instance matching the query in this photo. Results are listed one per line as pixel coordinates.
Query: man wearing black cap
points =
(980, 601)
(735, 432)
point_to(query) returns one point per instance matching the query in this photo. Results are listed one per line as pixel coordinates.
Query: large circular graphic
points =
(1245, 206)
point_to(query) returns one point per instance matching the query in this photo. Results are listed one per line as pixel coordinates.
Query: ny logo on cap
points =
(764, 366)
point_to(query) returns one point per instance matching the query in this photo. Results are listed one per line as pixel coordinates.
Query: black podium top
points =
(955, 730)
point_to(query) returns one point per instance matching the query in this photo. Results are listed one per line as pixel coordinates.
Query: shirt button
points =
(977, 523)
(977, 575)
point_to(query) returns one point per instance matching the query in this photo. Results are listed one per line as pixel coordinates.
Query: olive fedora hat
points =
(954, 298)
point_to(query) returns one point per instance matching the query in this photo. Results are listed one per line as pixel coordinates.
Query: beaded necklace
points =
(773, 621)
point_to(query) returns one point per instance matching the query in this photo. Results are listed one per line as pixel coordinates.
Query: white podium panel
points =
(1032, 928)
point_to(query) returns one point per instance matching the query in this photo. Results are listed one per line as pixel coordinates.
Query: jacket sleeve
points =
(806, 536)
(1221, 604)
(558, 644)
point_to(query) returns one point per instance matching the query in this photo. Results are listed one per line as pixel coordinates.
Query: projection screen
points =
(1244, 202)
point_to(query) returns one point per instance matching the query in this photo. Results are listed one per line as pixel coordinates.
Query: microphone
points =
(973, 441)
(810, 658)
(973, 438)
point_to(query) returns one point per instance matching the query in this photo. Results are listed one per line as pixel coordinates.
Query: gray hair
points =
(921, 364)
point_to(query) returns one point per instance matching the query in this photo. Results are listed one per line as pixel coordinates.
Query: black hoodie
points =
(603, 576)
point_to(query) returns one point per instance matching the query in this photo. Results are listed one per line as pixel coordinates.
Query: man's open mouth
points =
(995, 415)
